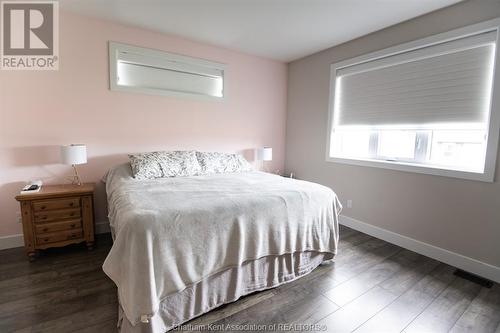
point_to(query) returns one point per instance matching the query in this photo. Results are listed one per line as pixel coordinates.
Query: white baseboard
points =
(451, 258)
(9, 242)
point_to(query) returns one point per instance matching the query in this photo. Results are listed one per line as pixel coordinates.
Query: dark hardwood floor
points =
(372, 286)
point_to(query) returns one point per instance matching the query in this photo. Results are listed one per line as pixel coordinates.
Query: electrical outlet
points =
(19, 218)
(349, 203)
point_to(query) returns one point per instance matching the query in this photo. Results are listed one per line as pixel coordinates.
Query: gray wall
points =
(458, 215)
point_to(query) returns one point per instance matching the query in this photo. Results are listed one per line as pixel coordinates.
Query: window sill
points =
(409, 167)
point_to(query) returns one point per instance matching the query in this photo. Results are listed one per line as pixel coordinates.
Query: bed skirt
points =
(225, 287)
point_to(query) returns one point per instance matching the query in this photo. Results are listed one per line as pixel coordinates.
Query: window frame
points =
(114, 48)
(493, 124)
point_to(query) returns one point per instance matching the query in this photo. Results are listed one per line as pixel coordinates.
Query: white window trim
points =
(115, 48)
(494, 120)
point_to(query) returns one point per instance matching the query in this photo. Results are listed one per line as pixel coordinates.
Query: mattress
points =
(174, 234)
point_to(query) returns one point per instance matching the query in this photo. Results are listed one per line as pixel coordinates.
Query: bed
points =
(186, 245)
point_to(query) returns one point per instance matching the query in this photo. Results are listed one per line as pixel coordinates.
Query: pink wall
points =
(41, 110)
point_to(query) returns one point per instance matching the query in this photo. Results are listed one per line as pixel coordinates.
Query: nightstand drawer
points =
(57, 226)
(56, 204)
(59, 236)
(56, 215)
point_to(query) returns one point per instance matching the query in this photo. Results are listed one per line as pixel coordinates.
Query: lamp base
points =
(76, 178)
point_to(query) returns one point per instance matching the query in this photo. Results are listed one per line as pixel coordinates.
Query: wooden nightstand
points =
(56, 216)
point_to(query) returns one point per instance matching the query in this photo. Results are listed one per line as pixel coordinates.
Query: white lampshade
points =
(265, 154)
(74, 154)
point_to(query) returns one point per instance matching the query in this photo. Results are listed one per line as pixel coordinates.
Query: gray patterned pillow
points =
(179, 163)
(161, 164)
(222, 163)
(145, 166)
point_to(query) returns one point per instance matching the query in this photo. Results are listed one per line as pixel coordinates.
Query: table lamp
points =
(74, 155)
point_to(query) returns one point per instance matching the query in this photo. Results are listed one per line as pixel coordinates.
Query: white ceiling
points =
(279, 29)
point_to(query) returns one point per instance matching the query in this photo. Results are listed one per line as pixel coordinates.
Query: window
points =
(149, 71)
(423, 107)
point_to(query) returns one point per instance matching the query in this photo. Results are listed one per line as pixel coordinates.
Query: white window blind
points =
(429, 106)
(150, 71)
(444, 83)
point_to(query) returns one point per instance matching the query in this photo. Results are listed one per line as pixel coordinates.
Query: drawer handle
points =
(46, 240)
(44, 217)
(72, 214)
(73, 225)
(72, 236)
(71, 204)
(43, 207)
(45, 229)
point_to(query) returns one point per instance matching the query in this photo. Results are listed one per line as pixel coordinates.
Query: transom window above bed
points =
(425, 106)
(137, 69)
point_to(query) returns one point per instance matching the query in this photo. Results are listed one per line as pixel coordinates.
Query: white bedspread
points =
(173, 232)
